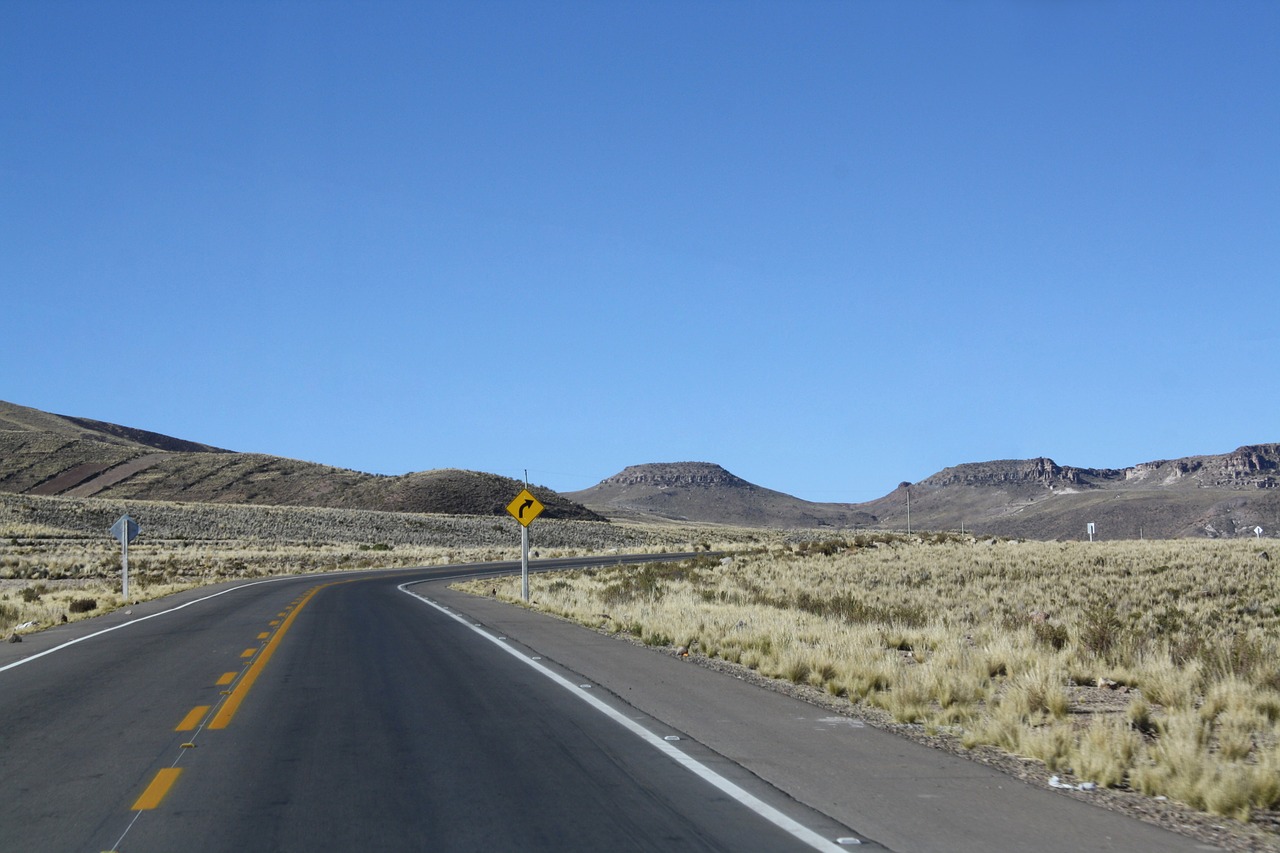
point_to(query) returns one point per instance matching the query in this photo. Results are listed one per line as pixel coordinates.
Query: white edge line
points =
(760, 807)
(69, 643)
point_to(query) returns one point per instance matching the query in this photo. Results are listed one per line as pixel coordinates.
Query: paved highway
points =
(381, 711)
(341, 713)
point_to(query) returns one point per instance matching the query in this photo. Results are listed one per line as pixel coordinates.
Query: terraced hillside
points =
(53, 455)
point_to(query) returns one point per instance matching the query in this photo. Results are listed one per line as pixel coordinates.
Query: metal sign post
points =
(524, 509)
(524, 562)
(126, 530)
(1091, 530)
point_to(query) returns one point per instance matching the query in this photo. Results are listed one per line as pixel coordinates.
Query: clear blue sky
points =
(828, 245)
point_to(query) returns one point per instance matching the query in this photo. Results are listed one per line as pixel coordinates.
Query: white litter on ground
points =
(1055, 782)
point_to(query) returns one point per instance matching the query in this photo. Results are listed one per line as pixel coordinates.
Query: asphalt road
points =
(340, 713)
(381, 711)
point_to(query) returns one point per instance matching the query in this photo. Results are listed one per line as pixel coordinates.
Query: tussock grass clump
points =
(1152, 665)
(1105, 752)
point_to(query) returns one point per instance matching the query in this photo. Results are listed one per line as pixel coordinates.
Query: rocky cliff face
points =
(1037, 472)
(1254, 466)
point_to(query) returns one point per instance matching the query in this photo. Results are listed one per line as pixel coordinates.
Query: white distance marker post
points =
(126, 530)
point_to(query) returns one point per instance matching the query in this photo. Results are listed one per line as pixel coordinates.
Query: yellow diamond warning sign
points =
(525, 508)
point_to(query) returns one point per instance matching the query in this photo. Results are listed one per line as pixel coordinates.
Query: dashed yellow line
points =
(232, 704)
(193, 718)
(157, 789)
(165, 779)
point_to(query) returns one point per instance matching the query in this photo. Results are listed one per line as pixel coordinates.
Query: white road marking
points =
(752, 802)
(70, 643)
(843, 721)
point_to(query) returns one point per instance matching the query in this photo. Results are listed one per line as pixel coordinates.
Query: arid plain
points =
(1142, 672)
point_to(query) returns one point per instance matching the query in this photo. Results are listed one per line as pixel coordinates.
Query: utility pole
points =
(908, 508)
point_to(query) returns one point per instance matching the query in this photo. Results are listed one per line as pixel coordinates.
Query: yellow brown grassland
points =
(58, 562)
(1148, 665)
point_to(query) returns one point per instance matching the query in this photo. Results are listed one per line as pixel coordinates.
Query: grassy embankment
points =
(997, 643)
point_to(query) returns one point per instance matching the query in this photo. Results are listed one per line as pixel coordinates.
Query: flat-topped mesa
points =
(1040, 471)
(667, 475)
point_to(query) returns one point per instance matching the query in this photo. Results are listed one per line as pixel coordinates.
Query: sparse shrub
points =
(82, 605)
(1100, 629)
(1050, 634)
(656, 639)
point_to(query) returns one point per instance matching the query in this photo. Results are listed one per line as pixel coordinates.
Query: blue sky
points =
(828, 245)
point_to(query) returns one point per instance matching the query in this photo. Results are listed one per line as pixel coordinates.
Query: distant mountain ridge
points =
(56, 455)
(1255, 466)
(1224, 495)
(1229, 494)
(1212, 496)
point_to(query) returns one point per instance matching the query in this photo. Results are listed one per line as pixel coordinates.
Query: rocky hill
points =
(702, 491)
(1224, 495)
(1213, 496)
(55, 455)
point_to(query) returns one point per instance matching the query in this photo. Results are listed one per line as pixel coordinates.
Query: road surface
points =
(382, 711)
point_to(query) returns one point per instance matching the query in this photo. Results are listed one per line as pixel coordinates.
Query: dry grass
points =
(997, 643)
(56, 550)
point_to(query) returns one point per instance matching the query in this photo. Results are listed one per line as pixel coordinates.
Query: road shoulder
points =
(904, 795)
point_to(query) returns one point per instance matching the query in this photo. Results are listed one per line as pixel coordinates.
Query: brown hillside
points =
(52, 455)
